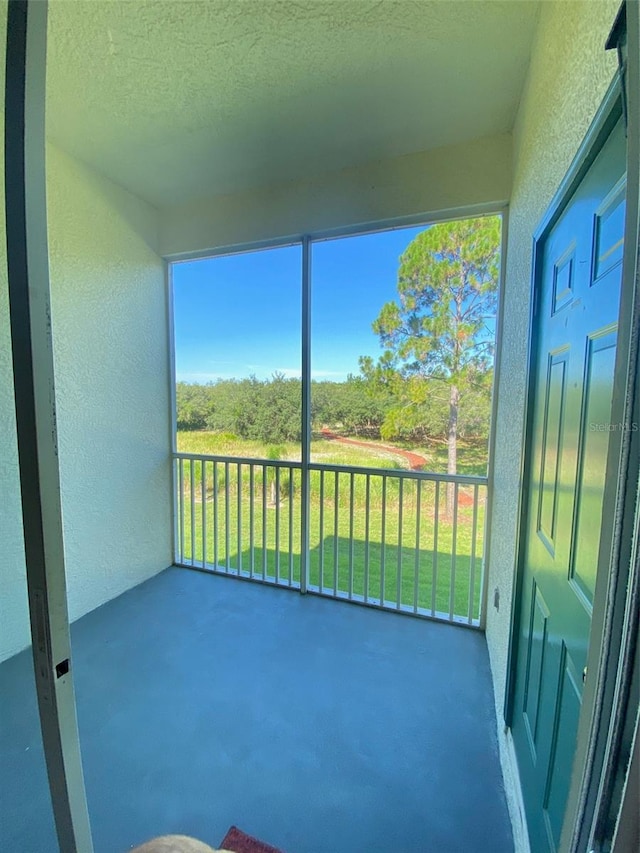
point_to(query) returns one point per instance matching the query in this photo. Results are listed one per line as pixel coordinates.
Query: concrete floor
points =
(319, 726)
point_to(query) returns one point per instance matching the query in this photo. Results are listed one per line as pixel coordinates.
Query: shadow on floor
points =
(359, 565)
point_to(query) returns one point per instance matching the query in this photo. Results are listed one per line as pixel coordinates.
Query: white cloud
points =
(201, 378)
(266, 372)
(328, 374)
(258, 370)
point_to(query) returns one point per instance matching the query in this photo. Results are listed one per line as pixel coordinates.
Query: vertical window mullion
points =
(306, 412)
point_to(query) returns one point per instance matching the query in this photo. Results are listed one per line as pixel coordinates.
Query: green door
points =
(575, 325)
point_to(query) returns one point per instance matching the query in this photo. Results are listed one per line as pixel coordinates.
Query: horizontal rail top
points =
(242, 460)
(462, 479)
(403, 473)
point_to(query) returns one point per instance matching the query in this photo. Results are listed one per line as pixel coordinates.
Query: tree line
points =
(370, 406)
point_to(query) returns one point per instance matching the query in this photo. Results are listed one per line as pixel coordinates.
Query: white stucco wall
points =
(110, 342)
(111, 357)
(476, 173)
(568, 77)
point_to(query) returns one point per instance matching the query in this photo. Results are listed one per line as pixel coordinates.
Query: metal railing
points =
(391, 539)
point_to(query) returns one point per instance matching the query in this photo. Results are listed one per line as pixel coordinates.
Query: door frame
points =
(613, 639)
(36, 420)
(614, 644)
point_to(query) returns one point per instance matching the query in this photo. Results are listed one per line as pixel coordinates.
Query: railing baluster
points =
(239, 474)
(215, 516)
(181, 508)
(480, 556)
(217, 498)
(291, 485)
(367, 524)
(472, 564)
(454, 538)
(321, 525)
(252, 514)
(175, 508)
(193, 512)
(399, 576)
(203, 496)
(383, 540)
(335, 535)
(264, 522)
(434, 562)
(227, 564)
(277, 512)
(351, 501)
(416, 567)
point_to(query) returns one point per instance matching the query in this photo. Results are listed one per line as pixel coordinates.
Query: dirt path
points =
(416, 462)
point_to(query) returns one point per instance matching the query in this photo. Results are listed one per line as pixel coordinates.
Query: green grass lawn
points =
(251, 522)
(322, 450)
(472, 456)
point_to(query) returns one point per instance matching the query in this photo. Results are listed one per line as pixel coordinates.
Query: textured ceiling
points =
(180, 100)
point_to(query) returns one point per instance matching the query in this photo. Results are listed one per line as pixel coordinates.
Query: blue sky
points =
(239, 315)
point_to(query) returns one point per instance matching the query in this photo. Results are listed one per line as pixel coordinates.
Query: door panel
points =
(601, 356)
(554, 405)
(538, 636)
(575, 329)
(565, 726)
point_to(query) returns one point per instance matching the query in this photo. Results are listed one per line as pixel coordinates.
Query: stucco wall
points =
(111, 355)
(476, 173)
(568, 77)
(110, 342)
